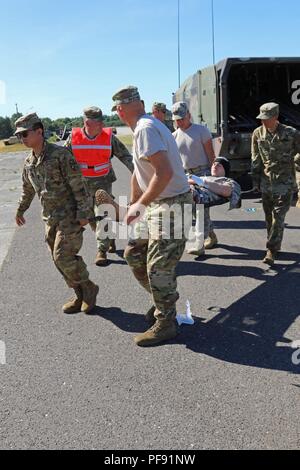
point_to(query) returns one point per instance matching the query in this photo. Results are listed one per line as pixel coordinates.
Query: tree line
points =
(7, 124)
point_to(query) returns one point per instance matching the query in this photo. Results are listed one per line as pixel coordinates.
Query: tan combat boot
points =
(74, 305)
(270, 257)
(101, 259)
(89, 295)
(298, 203)
(211, 241)
(112, 247)
(161, 331)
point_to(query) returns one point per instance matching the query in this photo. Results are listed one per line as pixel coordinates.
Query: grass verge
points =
(11, 148)
(126, 140)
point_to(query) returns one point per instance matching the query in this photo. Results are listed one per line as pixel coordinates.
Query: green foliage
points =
(6, 129)
(7, 125)
(13, 119)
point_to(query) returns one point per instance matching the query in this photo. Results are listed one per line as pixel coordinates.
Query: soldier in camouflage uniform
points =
(297, 167)
(52, 173)
(93, 126)
(274, 147)
(196, 150)
(160, 111)
(158, 183)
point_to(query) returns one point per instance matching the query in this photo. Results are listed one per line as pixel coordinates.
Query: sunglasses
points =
(24, 134)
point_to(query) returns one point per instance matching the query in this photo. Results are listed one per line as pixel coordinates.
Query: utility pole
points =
(213, 29)
(17, 111)
(179, 78)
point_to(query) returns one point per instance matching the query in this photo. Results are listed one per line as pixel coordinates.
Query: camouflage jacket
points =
(273, 167)
(57, 180)
(297, 162)
(208, 198)
(119, 150)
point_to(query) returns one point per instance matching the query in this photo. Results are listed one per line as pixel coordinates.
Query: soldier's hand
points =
(83, 222)
(134, 213)
(20, 220)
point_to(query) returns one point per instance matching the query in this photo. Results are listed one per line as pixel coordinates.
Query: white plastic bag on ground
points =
(186, 319)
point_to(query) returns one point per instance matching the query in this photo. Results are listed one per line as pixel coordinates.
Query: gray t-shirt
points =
(152, 136)
(190, 143)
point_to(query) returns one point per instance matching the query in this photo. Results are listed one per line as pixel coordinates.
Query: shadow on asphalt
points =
(249, 332)
(126, 321)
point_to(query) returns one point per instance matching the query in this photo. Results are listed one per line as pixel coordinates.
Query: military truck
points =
(226, 98)
(11, 140)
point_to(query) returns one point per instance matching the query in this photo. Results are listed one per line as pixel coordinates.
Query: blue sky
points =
(56, 57)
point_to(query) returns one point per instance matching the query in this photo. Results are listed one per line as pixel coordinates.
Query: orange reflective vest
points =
(93, 156)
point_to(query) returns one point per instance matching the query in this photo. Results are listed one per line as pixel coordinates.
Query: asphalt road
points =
(77, 381)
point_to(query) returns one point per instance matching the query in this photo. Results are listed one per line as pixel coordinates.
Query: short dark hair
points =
(39, 125)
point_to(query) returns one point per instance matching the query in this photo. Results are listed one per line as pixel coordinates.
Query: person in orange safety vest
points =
(93, 147)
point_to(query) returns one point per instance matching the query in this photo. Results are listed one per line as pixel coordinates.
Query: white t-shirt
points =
(152, 136)
(190, 143)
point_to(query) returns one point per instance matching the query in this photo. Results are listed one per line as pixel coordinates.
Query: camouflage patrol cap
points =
(94, 113)
(26, 123)
(160, 107)
(268, 111)
(125, 95)
(179, 110)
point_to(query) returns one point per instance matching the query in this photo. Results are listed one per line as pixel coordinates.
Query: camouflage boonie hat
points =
(125, 95)
(160, 106)
(26, 123)
(179, 110)
(93, 112)
(268, 111)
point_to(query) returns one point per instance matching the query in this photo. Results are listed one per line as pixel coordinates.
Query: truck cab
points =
(226, 97)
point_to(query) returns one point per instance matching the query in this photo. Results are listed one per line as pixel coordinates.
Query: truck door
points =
(208, 99)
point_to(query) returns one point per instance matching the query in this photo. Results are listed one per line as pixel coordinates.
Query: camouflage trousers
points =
(208, 225)
(276, 207)
(64, 240)
(93, 186)
(153, 254)
(298, 182)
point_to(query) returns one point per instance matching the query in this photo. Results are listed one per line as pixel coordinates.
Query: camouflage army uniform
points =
(208, 224)
(297, 167)
(57, 180)
(105, 182)
(273, 171)
(153, 255)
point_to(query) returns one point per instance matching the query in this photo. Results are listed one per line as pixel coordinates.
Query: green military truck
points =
(226, 98)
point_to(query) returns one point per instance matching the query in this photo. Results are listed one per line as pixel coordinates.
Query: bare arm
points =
(209, 150)
(223, 190)
(136, 191)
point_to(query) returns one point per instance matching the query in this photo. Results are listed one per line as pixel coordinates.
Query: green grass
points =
(126, 140)
(11, 148)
